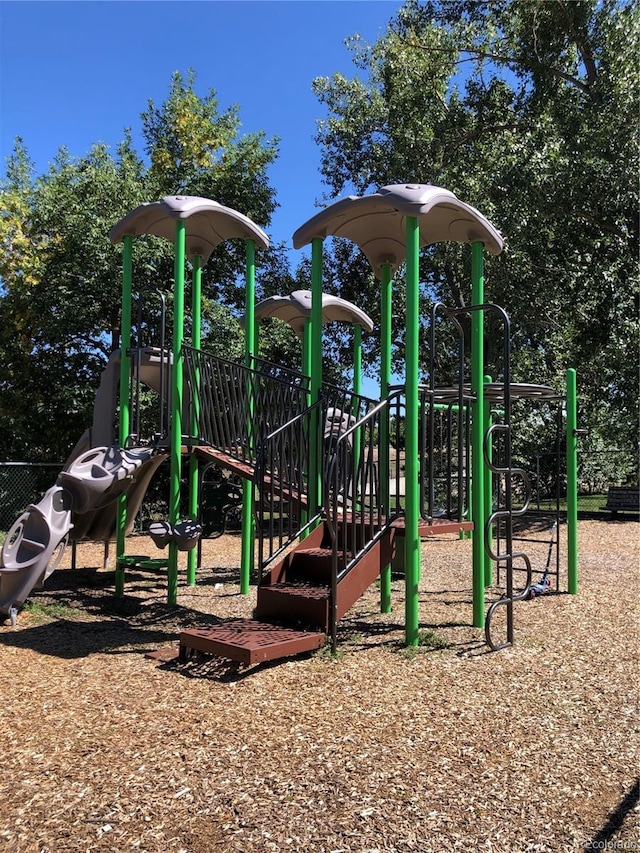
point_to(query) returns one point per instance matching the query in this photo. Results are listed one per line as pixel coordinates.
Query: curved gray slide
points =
(95, 479)
(82, 503)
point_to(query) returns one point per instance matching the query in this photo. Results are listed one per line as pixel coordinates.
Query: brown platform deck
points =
(433, 527)
(246, 471)
(242, 469)
(249, 641)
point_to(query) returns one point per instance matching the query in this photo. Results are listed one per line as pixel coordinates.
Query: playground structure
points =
(322, 466)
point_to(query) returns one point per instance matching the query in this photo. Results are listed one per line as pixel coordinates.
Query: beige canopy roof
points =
(376, 223)
(296, 308)
(208, 224)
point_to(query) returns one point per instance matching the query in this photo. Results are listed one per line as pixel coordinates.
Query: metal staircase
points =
(318, 560)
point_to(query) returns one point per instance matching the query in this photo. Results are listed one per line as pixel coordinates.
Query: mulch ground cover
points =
(446, 746)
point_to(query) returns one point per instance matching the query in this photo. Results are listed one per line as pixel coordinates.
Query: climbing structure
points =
(336, 484)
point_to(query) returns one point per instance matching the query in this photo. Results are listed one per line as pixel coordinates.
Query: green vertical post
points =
(383, 450)
(357, 358)
(572, 481)
(306, 349)
(477, 432)
(315, 491)
(176, 405)
(125, 414)
(488, 494)
(248, 524)
(306, 370)
(196, 340)
(316, 318)
(412, 496)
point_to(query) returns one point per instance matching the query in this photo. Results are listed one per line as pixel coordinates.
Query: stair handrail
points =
(283, 463)
(353, 496)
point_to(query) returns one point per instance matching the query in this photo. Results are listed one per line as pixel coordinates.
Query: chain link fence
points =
(23, 483)
(597, 471)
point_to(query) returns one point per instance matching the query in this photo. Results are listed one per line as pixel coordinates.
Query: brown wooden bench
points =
(623, 499)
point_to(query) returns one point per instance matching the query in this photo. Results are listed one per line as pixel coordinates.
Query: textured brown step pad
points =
(249, 641)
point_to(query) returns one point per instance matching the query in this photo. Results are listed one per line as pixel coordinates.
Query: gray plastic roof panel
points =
(376, 223)
(296, 308)
(208, 223)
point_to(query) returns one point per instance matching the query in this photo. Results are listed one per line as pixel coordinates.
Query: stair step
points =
(313, 564)
(294, 602)
(249, 641)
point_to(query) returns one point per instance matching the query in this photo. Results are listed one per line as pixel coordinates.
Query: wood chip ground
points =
(377, 750)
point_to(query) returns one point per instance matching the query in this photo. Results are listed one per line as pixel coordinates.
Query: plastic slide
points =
(94, 480)
(81, 503)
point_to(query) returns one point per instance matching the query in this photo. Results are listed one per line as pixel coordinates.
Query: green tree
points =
(526, 110)
(196, 150)
(60, 277)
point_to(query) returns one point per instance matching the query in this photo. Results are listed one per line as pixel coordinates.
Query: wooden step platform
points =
(295, 602)
(434, 526)
(249, 641)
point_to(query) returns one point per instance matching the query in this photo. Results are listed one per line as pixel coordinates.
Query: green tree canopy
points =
(527, 110)
(60, 278)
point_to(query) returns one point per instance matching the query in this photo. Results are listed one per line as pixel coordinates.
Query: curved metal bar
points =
(508, 602)
(509, 598)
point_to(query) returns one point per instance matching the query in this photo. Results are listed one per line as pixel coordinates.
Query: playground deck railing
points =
(445, 465)
(289, 457)
(359, 503)
(285, 462)
(233, 407)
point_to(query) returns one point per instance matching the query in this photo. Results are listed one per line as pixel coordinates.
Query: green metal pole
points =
(357, 384)
(357, 358)
(316, 318)
(412, 496)
(176, 405)
(306, 349)
(477, 432)
(196, 339)
(315, 486)
(306, 370)
(488, 494)
(572, 482)
(248, 524)
(383, 450)
(125, 414)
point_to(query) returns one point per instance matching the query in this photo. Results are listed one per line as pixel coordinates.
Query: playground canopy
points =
(209, 224)
(376, 223)
(295, 310)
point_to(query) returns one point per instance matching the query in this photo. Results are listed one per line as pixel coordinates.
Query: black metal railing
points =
(286, 462)
(359, 502)
(233, 408)
(149, 395)
(445, 469)
(289, 457)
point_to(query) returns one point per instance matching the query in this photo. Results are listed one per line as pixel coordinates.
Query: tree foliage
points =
(528, 111)
(60, 277)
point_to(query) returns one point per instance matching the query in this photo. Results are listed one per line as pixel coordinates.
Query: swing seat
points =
(540, 587)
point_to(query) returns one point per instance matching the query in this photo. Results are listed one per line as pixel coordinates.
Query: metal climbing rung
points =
(507, 514)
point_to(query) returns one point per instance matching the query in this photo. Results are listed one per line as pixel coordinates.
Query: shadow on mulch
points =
(65, 638)
(122, 625)
(615, 821)
(209, 668)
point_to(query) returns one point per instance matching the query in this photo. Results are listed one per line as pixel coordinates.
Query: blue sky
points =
(77, 73)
